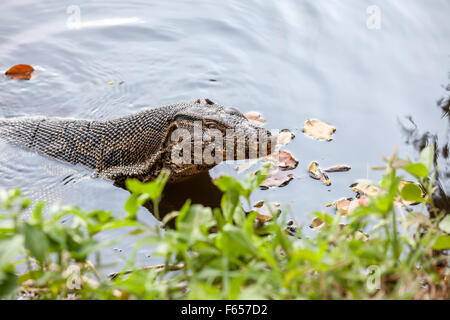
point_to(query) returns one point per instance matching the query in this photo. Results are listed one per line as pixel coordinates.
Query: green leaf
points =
(442, 242)
(444, 225)
(9, 249)
(234, 242)
(419, 170)
(427, 156)
(411, 192)
(8, 285)
(196, 221)
(35, 241)
(36, 216)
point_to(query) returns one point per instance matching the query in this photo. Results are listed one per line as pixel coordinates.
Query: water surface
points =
(291, 60)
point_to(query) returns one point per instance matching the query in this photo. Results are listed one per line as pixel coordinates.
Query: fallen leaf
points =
(343, 205)
(284, 137)
(20, 72)
(338, 168)
(347, 205)
(276, 178)
(316, 173)
(316, 223)
(283, 159)
(246, 165)
(364, 188)
(266, 210)
(319, 130)
(255, 118)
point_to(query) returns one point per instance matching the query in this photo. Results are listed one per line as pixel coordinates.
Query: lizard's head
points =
(204, 133)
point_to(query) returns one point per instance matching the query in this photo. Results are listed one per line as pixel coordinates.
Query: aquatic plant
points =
(378, 250)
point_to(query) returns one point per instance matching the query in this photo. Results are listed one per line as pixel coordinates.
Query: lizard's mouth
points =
(210, 150)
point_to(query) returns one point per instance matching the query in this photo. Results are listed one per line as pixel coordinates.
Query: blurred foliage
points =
(380, 251)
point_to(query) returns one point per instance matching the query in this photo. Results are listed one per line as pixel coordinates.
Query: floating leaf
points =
(316, 223)
(316, 173)
(20, 72)
(346, 206)
(338, 168)
(255, 118)
(319, 130)
(364, 188)
(266, 210)
(411, 191)
(246, 165)
(283, 159)
(276, 178)
(284, 137)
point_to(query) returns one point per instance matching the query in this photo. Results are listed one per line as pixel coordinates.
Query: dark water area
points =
(376, 70)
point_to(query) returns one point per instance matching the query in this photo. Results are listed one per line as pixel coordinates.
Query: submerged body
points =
(138, 146)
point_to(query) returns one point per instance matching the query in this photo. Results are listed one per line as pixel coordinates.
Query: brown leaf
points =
(338, 168)
(364, 188)
(343, 205)
(255, 118)
(316, 223)
(319, 130)
(316, 173)
(284, 137)
(266, 210)
(246, 165)
(276, 178)
(347, 206)
(20, 72)
(283, 159)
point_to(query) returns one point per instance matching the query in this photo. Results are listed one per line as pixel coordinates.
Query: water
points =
(291, 60)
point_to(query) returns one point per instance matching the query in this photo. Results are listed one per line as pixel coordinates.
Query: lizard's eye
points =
(211, 126)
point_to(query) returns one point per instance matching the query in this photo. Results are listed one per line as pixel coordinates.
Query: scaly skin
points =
(137, 146)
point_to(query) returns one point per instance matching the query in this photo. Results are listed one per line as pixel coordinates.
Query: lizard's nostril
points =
(232, 110)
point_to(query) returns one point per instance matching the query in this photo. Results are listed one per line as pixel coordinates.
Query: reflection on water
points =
(199, 189)
(419, 140)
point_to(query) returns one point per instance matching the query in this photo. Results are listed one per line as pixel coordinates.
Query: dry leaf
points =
(347, 206)
(276, 178)
(255, 118)
(316, 223)
(338, 168)
(284, 137)
(343, 205)
(369, 190)
(20, 72)
(246, 165)
(318, 129)
(365, 189)
(316, 173)
(266, 210)
(283, 159)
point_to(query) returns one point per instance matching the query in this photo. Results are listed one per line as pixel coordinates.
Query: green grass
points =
(224, 253)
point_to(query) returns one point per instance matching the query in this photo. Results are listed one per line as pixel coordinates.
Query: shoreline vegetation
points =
(377, 250)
